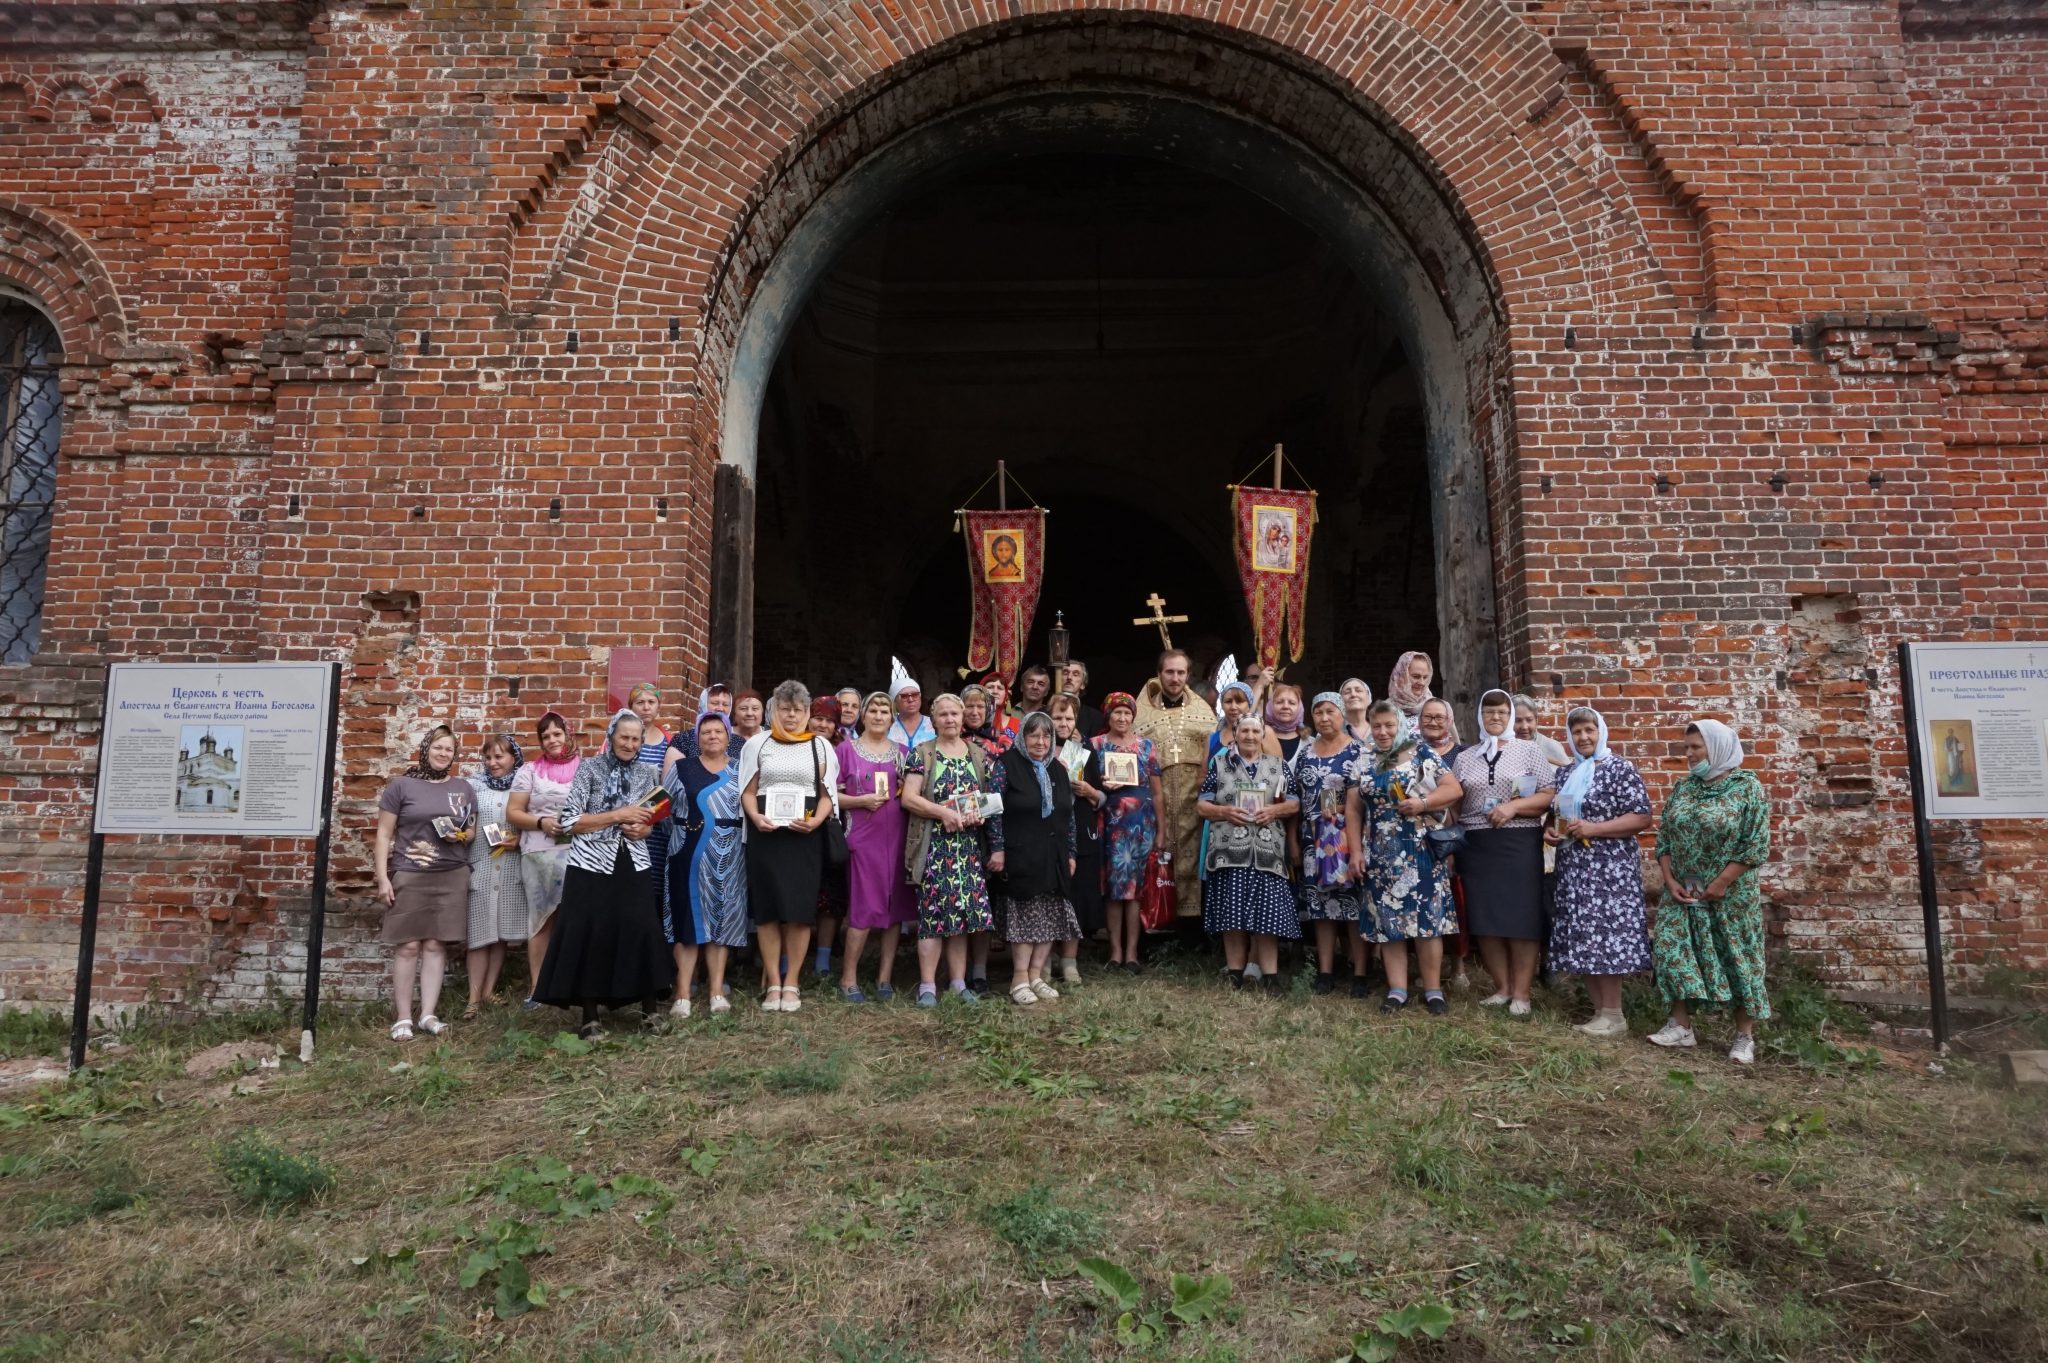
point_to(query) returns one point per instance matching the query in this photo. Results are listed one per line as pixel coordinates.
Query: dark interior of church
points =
(1129, 337)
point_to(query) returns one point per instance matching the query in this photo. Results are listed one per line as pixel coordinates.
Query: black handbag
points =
(834, 832)
(1445, 843)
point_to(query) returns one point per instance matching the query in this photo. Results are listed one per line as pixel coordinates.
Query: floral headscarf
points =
(518, 760)
(421, 767)
(1401, 688)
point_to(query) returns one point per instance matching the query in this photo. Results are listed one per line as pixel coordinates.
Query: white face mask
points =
(1701, 768)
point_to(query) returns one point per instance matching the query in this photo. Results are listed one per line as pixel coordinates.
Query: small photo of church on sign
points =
(209, 774)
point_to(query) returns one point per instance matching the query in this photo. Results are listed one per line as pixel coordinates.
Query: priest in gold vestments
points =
(1179, 722)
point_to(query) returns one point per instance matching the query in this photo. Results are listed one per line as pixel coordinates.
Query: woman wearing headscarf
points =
(944, 785)
(787, 777)
(832, 888)
(533, 806)
(1038, 856)
(1357, 697)
(1507, 784)
(1708, 939)
(1247, 795)
(683, 742)
(497, 897)
(1084, 776)
(706, 865)
(1283, 720)
(878, 897)
(1408, 686)
(849, 699)
(1130, 823)
(911, 726)
(1408, 895)
(425, 820)
(1597, 930)
(1234, 701)
(1437, 726)
(608, 950)
(1325, 779)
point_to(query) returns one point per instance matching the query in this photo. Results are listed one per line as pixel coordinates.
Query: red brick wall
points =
(1795, 239)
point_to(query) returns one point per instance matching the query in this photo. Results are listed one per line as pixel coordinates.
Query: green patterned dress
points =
(1712, 954)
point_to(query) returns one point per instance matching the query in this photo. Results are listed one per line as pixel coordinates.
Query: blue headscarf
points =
(1039, 719)
(1571, 796)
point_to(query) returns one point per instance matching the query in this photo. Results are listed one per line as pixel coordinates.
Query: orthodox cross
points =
(1160, 618)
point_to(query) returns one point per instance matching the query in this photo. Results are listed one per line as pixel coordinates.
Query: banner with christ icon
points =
(1273, 527)
(1005, 565)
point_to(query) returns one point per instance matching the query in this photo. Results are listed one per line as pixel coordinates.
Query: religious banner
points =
(1005, 564)
(1273, 529)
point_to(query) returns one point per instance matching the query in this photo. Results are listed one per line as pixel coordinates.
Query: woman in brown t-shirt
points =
(425, 820)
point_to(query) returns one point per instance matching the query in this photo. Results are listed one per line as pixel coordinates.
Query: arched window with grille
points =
(31, 412)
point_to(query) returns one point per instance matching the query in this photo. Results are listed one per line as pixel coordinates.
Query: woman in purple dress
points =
(1598, 930)
(878, 897)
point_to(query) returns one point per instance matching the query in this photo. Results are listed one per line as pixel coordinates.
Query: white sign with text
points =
(1983, 716)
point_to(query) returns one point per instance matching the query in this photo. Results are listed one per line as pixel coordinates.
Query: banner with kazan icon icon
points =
(1273, 527)
(1005, 565)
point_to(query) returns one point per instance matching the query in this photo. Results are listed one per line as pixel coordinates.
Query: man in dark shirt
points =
(1088, 721)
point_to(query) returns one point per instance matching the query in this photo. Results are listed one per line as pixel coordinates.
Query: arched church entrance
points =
(1128, 289)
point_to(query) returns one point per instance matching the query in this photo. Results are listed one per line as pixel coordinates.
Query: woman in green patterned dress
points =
(1707, 944)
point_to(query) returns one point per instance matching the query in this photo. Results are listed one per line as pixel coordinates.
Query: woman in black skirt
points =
(787, 776)
(1507, 783)
(1038, 856)
(608, 949)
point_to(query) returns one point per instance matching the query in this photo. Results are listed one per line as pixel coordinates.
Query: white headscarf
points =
(1571, 796)
(1489, 741)
(1724, 749)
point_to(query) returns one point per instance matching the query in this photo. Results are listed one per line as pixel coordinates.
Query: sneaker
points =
(1494, 1001)
(720, 1004)
(1436, 1004)
(680, 1008)
(1610, 1024)
(1743, 1052)
(1519, 1008)
(1070, 972)
(528, 1004)
(927, 997)
(1044, 990)
(852, 994)
(884, 992)
(1393, 1003)
(1324, 984)
(977, 984)
(966, 996)
(1671, 1034)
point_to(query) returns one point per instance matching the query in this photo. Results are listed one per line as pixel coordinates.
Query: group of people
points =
(788, 826)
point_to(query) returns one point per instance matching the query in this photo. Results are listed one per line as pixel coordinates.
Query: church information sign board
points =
(206, 748)
(1982, 717)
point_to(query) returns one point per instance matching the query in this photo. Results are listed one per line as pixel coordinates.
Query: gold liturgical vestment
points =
(1181, 734)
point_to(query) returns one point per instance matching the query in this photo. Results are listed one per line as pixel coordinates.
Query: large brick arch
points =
(42, 256)
(1446, 122)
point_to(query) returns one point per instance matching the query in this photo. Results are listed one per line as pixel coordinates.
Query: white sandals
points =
(401, 1031)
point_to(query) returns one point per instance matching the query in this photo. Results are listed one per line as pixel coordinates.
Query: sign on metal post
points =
(1976, 748)
(234, 749)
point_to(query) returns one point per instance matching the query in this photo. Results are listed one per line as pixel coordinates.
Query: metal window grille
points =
(31, 411)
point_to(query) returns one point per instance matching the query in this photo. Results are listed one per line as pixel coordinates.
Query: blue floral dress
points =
(1408, 893)
(1326, 892)
(1598, 925)
(953, 896)
(1130, 824)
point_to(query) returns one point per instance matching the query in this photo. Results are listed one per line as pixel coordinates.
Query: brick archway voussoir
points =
(45, 257)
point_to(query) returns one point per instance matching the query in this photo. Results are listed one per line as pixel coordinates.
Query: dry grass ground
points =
(880, 1183)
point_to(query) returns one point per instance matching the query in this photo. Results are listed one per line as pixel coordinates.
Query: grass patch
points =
(262, 1172)
(889, 1184)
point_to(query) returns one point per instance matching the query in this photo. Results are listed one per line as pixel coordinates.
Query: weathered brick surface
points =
(1749, 299)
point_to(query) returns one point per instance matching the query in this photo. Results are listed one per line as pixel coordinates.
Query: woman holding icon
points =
(878, 898)
(1247, 794)
(787, 777)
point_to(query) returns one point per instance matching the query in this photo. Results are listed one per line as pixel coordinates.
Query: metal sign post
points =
(316, 909)
(1923, 847)
(89, 918)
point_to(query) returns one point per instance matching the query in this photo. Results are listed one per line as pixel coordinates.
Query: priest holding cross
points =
(1179, 722)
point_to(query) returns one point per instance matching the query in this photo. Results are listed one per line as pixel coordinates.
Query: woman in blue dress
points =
(706, 867)
(1325, 772)
(1130, 823)
(1408, 894)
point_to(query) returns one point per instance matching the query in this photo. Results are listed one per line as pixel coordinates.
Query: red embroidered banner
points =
(1273, 530)
(1005, 565)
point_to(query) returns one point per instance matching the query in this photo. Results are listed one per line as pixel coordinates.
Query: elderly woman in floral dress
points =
(1708, 940)
(1403, 786)
(1597, 931)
